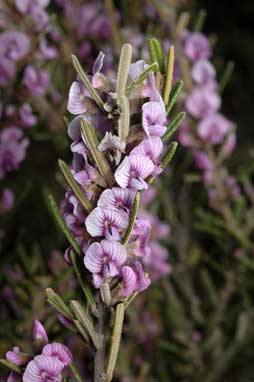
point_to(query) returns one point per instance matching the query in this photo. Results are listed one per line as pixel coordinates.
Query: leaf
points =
(173, 96)
(174, 124)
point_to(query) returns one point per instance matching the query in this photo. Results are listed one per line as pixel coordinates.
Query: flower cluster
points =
(210, 134)
(48, 363)
(116, 150)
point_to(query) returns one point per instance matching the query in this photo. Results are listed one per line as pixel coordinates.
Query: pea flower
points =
(104, 259)
(151, 148)
(154, 118)
(39, 333)
(59, 352)
(43, 368)
(106, 222)
(197, 47)
(202, 102)
(117, 198)
(213, 128)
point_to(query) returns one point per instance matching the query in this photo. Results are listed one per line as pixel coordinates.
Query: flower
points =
(133, 170)
(39, 333)
(197, 47)
(202, 101)
(129, 279)
(154, 118)
(27, 118)
(152, 148)
(157, 263)
(213, 128)
(59, 352)
(117, 198)
(202, 161)
(143, 280)
(43, 369)
(78, 99)
(36, 80)
(203, 73)
(14, 45)
(14, 356)
(104, 259)
(6, 201)
(106, 222)
(141, 234)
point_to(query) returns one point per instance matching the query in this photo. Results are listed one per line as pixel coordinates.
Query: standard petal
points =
(94, 258)
(122, 174)
(141, 165)
(58, 351)
(76, 102)
(129, 281)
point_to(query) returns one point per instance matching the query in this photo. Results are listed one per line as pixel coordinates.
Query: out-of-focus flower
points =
(213, 128)
(197, 47)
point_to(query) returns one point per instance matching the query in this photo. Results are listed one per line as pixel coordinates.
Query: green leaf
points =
(94, 94)
(173, 96)
(169, 155)
(139, 80)
(169, 75)
(74, 186)
(200, 20)
(123, 69)
(11, 366)
(132, 219)
(61, 223)
(174, 124)
(124, 119)
(87, 131)
(55, 300)
(156, 53)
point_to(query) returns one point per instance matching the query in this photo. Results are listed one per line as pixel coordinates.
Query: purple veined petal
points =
(77, 99)
(74, 128)
(122, 174)
(136, 68)
(141, 166)
(93, 259)
(14, 377)
(143, 281)
(138, 184)
(98, 63)
(102, 220)
(97, 280)
(115, 251)
(14, 356)
(118, 198)
(129, 281)
(154, 118)
(59, 352)
(43, 368)
(151, 147)
(39, 332)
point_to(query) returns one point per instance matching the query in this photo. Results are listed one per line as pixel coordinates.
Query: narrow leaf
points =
(116, 338)
(132, 219)
(123, 69)
(94, 94)
(55, 300)
(152, 68)
(124, 119)
(153, 53)
(159, 54)
(174, 124)
(60, 221)
(74, 186)
(200, 20)
(100, 160)
(169, 75)
(173, 96)
(169, 155)
(10, 366)
(83, 318)
(226, 76)
(81, 279)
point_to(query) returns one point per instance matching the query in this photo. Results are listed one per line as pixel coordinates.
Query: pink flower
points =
(201, 102)
(104, 260)
(197, 47)
(154, 118)
(36, 80)
(14, 356)
(39, 333)
(43, 369)
(213, 128)
(14, 377)
(27, 118)
(230, 143)
(6, 201)
(143, 280)
(117, 198)
(133, 170)
(184, 134)
(129, 279)
(14, 45)
(78, 99)
(157, 263)
(152, 148)
(203, 73)
(106, 222)
(202, 161)
(59, 352)
(141, 234)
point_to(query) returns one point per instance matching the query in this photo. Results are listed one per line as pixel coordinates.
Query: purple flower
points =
(152, 148)
(14, 356)
(203, 73)
(143, 280)
(184, 134)
(14, 45)
(43, 369)
(202, 161)
(7, 71)
(148, 88)
(39, 333)
(202, 101)
(154, 118)
(78, 101)
(14, 377)
(36, 80)
(133, 170)
(197, 47)
(229, 144)
(117, 198)
(27, 118)
(213, 128)
(104, 260)
(6, 201)
(59, 352)
(106, 222)
(129, 279)
(157, 263)
(141, 234)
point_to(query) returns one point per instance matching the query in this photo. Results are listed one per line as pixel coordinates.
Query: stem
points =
(109, 5)
(99, 358)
